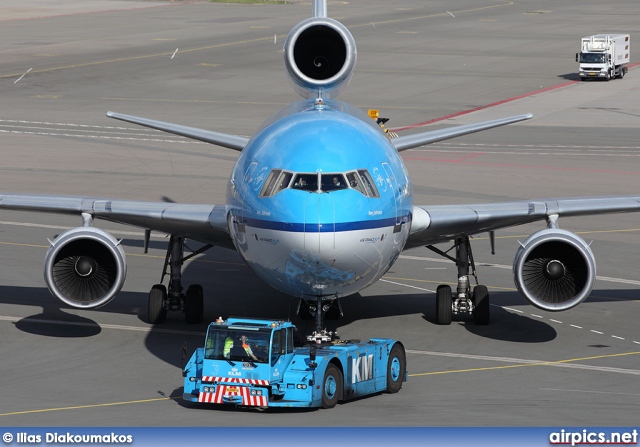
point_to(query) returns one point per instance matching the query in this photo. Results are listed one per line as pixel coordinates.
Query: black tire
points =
(194, 304)
(156, 311)
(481, 311)
(621, 73)
(444, 312)
(396, 368)
(331, 386)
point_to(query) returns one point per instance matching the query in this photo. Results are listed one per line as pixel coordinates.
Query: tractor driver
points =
(239, 347)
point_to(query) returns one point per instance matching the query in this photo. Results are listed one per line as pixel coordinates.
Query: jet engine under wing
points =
(440, 223)
(204, 223)
(433, 136)
(230, 141)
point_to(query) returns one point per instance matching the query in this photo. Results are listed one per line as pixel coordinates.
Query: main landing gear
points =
(162, 299)
(474, 302)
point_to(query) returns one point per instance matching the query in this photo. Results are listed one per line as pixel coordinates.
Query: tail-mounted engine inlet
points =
(554, 269)
(85, 267)
(319, 54)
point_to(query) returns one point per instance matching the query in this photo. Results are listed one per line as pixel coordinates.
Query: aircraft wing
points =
(204, 223)
(441, 223)
(231, 141)
(433, 136)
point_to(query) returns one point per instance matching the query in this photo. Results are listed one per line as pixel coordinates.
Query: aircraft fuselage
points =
(319, 202)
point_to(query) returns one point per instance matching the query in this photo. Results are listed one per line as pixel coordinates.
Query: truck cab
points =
(250, 362)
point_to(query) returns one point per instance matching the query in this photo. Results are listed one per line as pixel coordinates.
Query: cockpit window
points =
(332, 182)
(360, 180)
(306, 182)
(276, 182)
(368, 185)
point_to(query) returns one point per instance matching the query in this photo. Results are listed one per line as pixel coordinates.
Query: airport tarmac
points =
(219, 67)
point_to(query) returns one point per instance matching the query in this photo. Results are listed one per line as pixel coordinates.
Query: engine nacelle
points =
(554, 269)
(320, 55)
(85, 267)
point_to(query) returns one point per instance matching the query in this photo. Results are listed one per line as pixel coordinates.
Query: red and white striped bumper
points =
(234, 394)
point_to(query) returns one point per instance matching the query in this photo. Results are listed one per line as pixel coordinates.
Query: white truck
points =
(603, 56)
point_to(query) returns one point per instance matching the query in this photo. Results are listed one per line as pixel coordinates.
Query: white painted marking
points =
(597, 332)
(513, 310)
(509, 267)
(25, 73)
(174, 53)
(527, 362)
(407, 285)
(619, 338)
(576, 326)
(537, 316)
(555, 321)
(451, 14)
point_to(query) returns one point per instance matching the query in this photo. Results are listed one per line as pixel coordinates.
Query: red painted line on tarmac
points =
(487, 106)
(493, 104)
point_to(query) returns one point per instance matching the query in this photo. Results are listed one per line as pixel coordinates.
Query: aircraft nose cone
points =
(554, 270)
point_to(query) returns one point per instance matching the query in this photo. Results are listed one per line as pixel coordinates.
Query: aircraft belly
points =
(322, 263)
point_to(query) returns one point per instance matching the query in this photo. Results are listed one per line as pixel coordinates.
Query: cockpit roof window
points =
(360, 180)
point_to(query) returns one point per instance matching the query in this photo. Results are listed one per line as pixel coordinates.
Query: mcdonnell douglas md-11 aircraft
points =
(320, 206)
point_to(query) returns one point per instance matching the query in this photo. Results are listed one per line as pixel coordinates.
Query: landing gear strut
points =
(321, 309)
(475, 303)
(163, 299)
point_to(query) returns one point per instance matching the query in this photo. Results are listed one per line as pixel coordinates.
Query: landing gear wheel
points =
(331, 386)
(194, 304)
(444, 311)
(396, 368)
(481, 311)
(157, 297)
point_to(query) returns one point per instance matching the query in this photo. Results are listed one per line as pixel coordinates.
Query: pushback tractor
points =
(254, 363)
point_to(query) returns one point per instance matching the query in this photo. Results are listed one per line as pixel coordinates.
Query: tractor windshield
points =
(239, 344)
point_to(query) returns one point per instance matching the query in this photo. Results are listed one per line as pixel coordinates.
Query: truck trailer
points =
(254, 363)
(603, 56)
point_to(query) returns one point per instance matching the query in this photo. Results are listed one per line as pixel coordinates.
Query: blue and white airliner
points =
(320, 206)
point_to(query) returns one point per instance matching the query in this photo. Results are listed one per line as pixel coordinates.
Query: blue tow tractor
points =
(252, 362)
